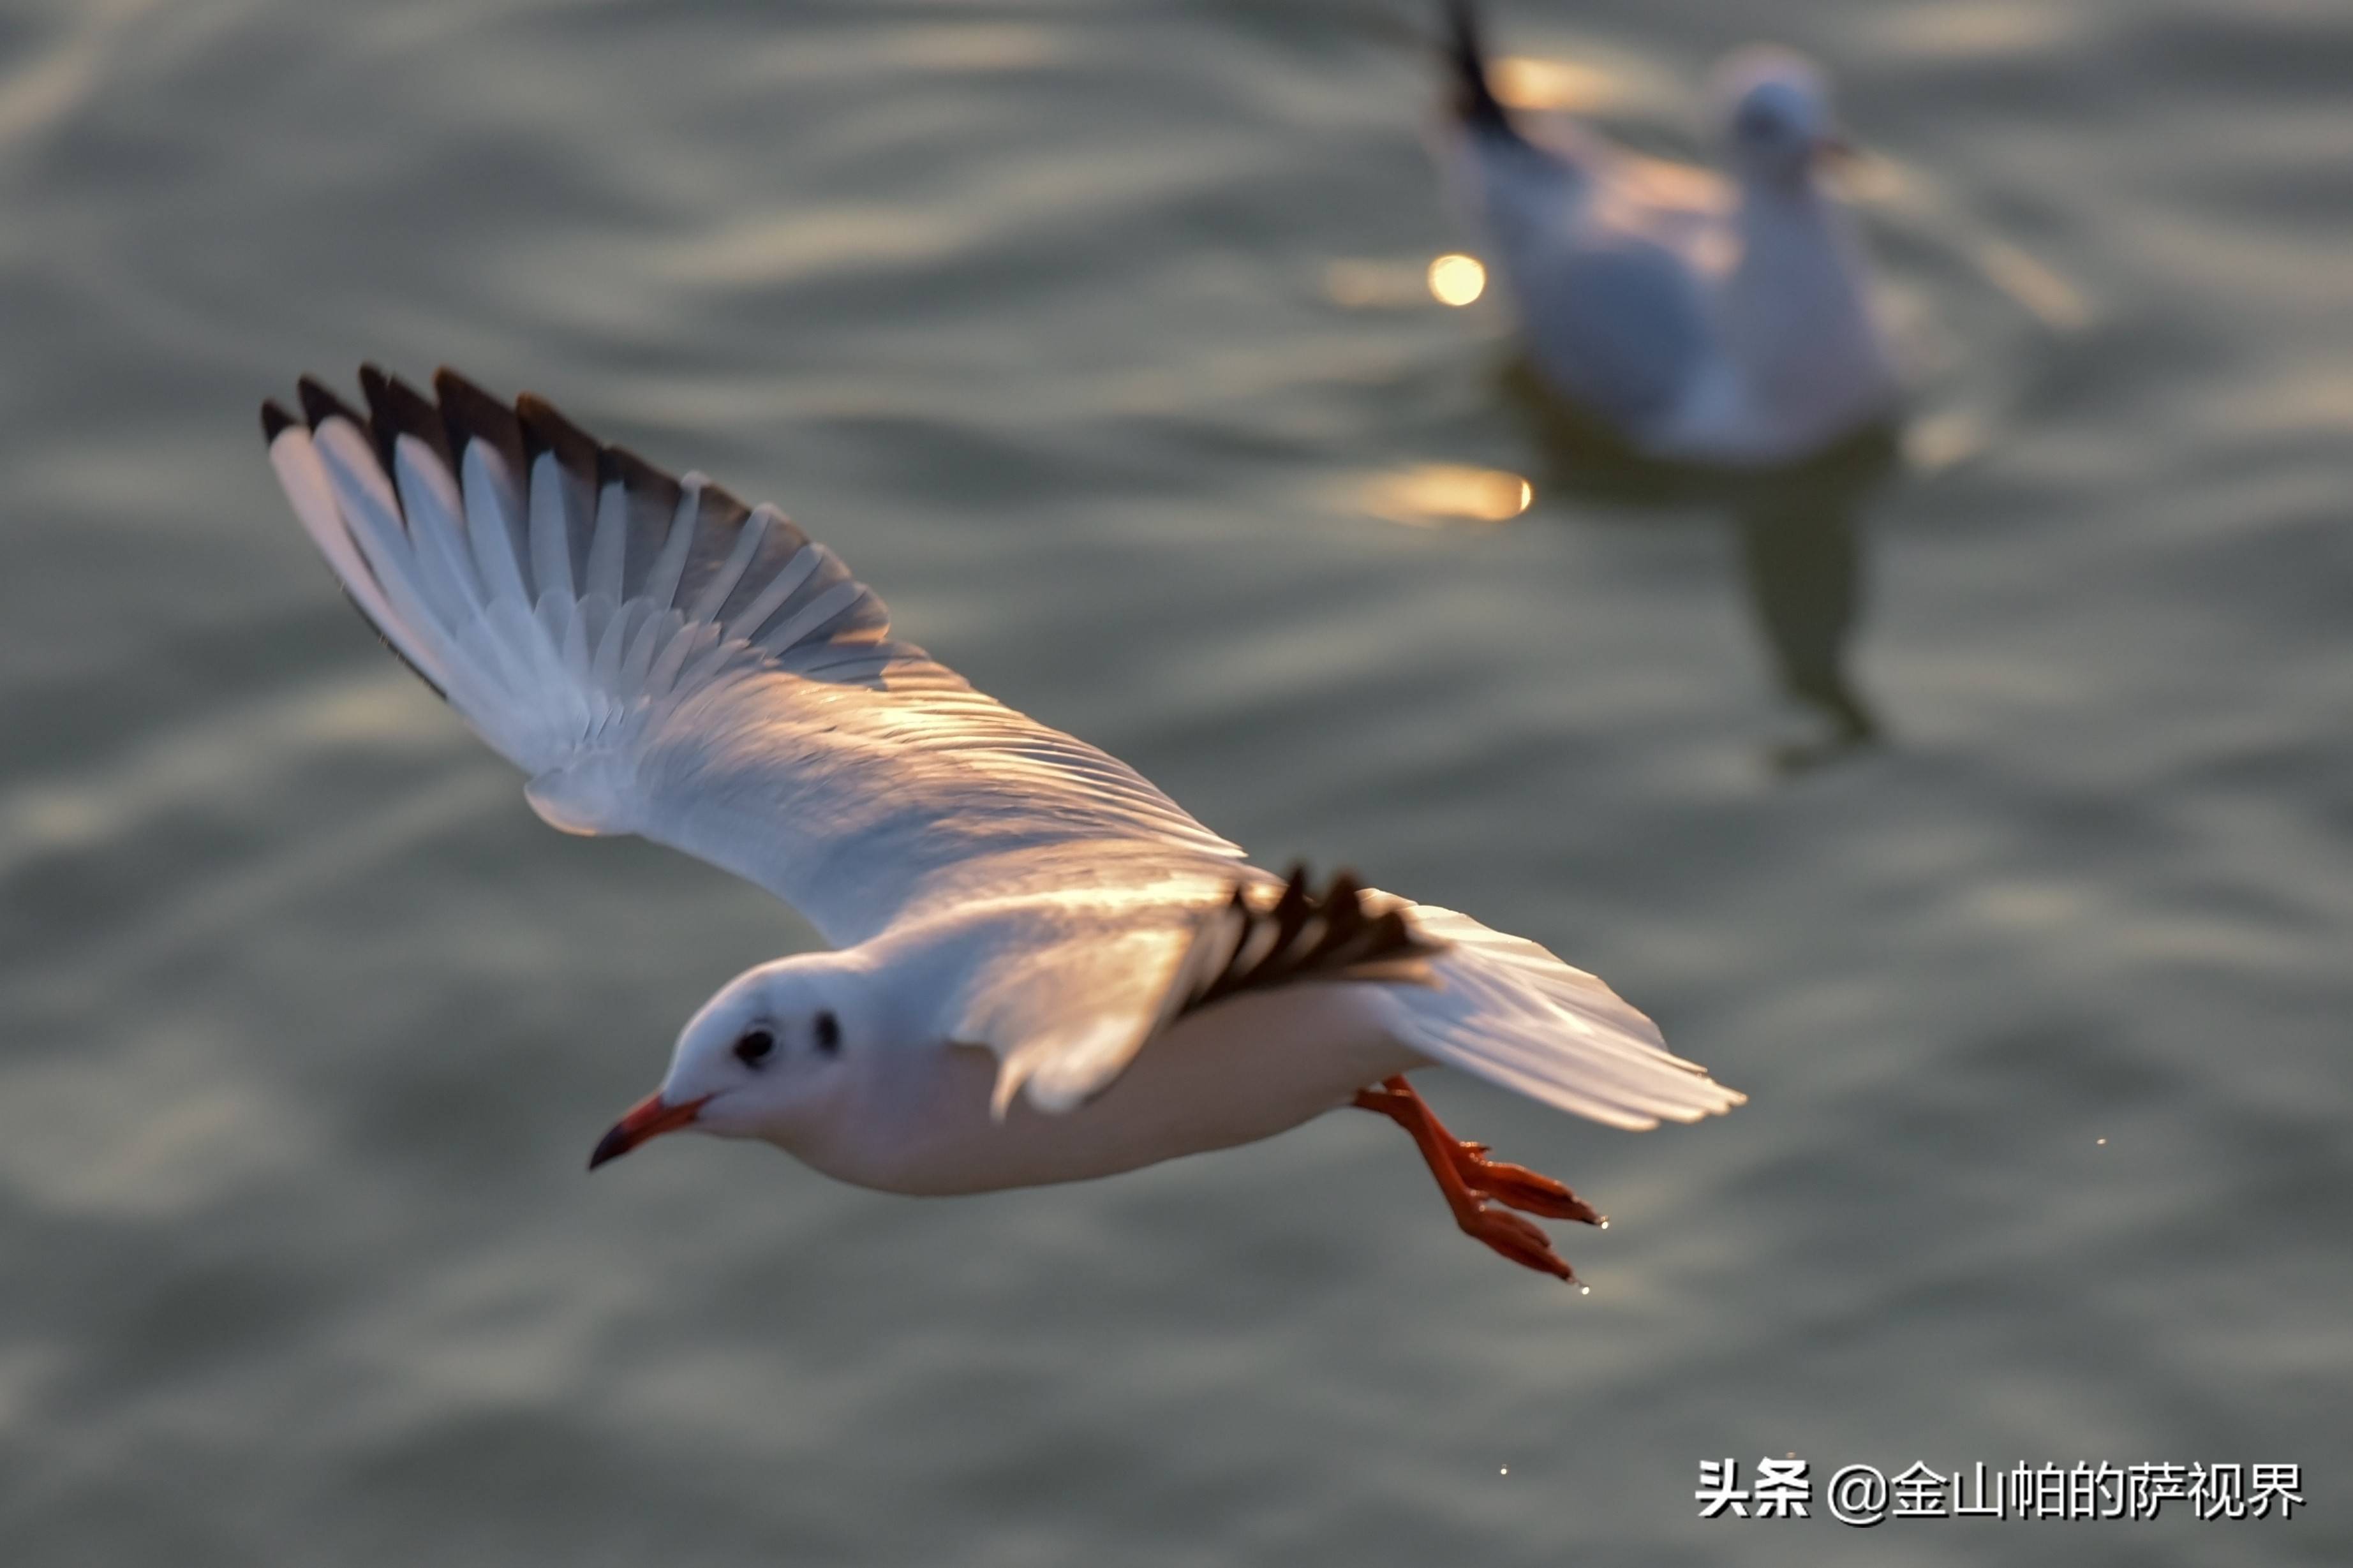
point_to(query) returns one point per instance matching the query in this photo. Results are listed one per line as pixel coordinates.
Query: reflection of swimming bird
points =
(1801, 556)
(1050, 972)
(1802, 529)
(1714, 320)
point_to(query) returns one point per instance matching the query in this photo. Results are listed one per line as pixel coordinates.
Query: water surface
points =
(1978, 806)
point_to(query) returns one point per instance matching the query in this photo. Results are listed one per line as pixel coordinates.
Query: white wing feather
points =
(1513, 1014)
(661, 661)
(1075, 993)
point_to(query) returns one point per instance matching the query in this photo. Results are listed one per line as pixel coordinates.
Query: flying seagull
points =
(1715, 318)
(1044, 970)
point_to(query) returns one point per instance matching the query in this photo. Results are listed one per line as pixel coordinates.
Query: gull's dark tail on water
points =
(1475, 103)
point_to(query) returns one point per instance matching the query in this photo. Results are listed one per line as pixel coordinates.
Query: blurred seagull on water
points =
(1046, 971)
(1706, 318)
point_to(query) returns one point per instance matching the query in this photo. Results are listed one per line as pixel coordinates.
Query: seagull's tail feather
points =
(552, 586)
(1510, 1013)
(1475, 100)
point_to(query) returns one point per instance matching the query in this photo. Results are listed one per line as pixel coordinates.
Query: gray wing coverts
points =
(1621, 327)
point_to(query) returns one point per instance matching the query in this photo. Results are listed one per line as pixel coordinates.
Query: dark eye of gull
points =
(752, 1047)
(828, 1032)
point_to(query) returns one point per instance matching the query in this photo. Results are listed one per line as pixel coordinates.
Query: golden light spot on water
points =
(1662, 182)
(1361, 285)
(1525, 83)
(1456, 280)
(1435, 493)
(1865, 176)
(1965, 31)
(2056, 304)
(1941, 440)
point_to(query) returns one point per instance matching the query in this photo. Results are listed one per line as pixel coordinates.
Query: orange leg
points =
(1467, 1177)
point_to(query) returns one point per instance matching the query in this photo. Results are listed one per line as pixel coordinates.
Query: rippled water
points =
(1979, 807)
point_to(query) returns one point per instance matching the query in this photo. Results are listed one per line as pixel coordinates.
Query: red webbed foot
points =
(1468, 1179)
(1521, 1188)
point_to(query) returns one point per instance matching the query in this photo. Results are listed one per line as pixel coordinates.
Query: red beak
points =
(649, 1118)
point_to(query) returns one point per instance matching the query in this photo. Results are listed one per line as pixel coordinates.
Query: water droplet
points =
(1605, 1225)
(2101, 1141)
(1504, 1471)
(1585, 1290)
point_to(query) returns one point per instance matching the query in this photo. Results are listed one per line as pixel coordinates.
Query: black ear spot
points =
(752, 1046)
(828, 1032)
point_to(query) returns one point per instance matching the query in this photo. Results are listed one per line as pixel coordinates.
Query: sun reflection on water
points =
(1525, 82)
(1430, 494)
(1456, 280)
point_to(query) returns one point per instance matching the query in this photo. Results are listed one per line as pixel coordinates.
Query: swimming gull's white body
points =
(1725, 319)
(1045, 970)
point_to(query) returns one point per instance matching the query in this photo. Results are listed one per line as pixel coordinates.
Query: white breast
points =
(1231, 1074)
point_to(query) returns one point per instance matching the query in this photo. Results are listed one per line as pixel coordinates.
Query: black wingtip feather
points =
(450, 384)
(545, 429)
(1307, 936)
(320, 405)
(720, 510)
(275, 421)
(1475, 103)
(399, 409)
(376, 388)
(638, 477)
(468, 415)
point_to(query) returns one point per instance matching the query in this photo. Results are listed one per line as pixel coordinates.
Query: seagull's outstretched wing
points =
(663, 660)
(1510, 1012)
(1079, 982)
